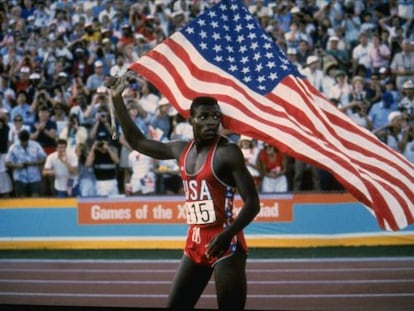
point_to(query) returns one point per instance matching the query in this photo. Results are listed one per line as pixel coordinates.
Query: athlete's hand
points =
(218, 245)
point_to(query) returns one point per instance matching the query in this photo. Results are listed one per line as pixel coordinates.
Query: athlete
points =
(212, 170)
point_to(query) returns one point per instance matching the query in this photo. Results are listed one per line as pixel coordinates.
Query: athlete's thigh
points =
(188, 285)
(231, 283)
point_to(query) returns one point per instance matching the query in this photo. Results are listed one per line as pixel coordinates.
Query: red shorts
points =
(198, 238)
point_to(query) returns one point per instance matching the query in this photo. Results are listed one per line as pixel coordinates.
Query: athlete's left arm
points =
(231, 167)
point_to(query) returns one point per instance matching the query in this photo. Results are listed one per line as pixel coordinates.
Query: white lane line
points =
(155, 270)
(49, 281)
(329, 296)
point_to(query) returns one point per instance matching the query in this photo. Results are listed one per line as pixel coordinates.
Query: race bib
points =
(200, 212)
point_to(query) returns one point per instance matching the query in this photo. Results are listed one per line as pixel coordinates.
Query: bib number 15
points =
(200, 212)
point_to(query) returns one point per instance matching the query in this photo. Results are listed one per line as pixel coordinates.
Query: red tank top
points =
(209, 201)
(209, 207)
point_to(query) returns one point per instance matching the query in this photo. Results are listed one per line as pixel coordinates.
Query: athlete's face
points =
(206, 121)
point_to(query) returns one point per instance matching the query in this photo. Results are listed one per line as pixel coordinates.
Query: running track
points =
(274, 284)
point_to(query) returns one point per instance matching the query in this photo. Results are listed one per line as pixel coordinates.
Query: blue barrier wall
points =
(300, 221)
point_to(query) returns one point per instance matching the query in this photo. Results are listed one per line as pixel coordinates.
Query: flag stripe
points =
(295, 117)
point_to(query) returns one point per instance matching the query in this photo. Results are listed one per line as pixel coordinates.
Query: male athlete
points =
(212, 170)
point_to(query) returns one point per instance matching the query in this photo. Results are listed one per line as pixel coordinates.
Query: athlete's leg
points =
(231, 284)
(188, 285)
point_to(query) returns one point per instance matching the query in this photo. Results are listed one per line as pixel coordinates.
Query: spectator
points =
(380, 111)
(407, 102)
(104, 159)
(23, 108)
(140, 177)
(402, 65)
(44, 130)
(75, 134)
(5, 181)
(373, 89)
(342, 89)
(120, 67)
(272, 165)
(59, 117)
(15, 128)
(26, 157)
(161, 125)
(360, 54)
(379, 53)
(102, 124)
(313, 73)
(62, 165)
(96, 79)
(182, 128)
(80, 111)
(148, 100)
(250, 153)
(340, 55)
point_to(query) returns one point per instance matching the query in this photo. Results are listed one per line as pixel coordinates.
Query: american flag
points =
(225, 53)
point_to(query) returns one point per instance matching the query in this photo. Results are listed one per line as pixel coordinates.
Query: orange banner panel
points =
(168, 212)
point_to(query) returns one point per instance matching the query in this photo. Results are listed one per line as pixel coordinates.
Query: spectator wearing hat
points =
(127, 36)
(100, 98)
(23, 108)
(340, 55)
(342, 88)
(91, 35)
(21, 81)
(406, 105)
(393, 131)
(312, 72)
(80, 66)
(329, 81)
(103, 158)
(161, 125)
(402, 64)
(380, 111)
(35, 81)
(26, 157)
(292, 56)
(96, 79)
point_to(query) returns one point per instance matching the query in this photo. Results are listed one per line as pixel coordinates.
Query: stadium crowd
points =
(56, 133)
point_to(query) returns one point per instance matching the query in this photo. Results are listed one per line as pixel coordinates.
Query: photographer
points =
(103, 158)
(102, 123)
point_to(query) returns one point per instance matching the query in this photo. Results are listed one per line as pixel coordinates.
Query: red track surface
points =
(305, 284)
